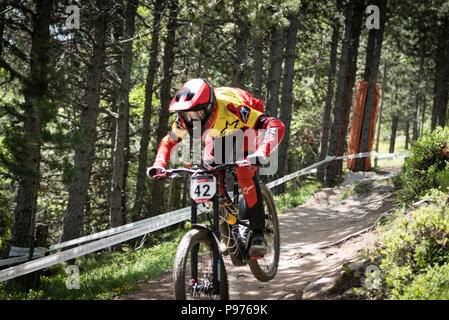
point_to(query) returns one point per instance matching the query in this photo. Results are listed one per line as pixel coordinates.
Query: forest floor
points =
(317, 238)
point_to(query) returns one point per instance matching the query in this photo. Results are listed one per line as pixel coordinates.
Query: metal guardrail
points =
(113, 236)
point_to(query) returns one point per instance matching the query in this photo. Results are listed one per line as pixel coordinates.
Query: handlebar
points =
(174, 173)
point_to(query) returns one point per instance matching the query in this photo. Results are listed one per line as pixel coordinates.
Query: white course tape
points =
(41, 263)
(10, 261)
(22, 256)
(18, 251)
(110, 232)
(393, 155)
(358, 155)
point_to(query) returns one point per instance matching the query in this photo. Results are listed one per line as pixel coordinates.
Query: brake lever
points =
(244, 163)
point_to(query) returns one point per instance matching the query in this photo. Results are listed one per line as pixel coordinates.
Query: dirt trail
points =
(312, 250)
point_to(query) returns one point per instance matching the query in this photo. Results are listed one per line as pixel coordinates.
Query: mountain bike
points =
(199, 270)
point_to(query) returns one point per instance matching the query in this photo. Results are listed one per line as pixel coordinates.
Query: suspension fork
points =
(216, 233)
(194, 251)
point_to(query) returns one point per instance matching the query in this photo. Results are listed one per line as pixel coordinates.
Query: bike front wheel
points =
(265, 269)
(193, 277)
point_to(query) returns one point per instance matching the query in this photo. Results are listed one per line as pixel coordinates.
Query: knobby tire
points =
(266, 273)
(181, 271)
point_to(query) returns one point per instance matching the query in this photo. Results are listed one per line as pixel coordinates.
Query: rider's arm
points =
(273, 135)
(166, 145)
(248, 110)
(254, 119)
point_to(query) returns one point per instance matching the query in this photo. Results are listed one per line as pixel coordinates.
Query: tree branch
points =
(14, 73)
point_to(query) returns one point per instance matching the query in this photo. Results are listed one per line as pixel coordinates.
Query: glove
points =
(156, 172)
(257, 158)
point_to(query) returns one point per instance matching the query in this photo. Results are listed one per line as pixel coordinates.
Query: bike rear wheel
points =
(200, 286)
(264, 269)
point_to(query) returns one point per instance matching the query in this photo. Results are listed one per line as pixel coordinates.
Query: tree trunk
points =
(371, 70)
(418, 98)
(84, 153)
(407, 134)
(274, 74)
(442, 78)
(379, 126)
(329, 95)
(345, 85)
(258, 67)
(2, 24)
(175, 195)
(157, 196)
(171, 195)
(423, 112)
(394, 129)
(117, 187)
(287, 96)
(117, 53)
(146, 119)
(35, 90)
(241, 61)
(127, 159)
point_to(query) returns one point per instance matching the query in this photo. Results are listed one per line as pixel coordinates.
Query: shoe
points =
(258, 245)
(243, 234)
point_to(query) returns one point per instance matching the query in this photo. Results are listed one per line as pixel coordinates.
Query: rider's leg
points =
(252, 207)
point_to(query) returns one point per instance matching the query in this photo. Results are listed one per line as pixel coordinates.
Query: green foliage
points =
(415, 249)
(422, 170)
(415, 244)
(433, 284)
(442, 179)
(102, 277)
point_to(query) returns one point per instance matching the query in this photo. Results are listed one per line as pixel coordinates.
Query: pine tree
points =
(84, 153)
(345, 84)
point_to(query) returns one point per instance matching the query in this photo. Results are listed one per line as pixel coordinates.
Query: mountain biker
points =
(218, 113)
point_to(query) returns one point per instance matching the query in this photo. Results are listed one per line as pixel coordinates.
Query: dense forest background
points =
(85, 88)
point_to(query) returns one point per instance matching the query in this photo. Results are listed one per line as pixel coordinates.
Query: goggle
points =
(190, 116)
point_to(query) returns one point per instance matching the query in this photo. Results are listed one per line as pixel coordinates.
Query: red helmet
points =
(195, 100)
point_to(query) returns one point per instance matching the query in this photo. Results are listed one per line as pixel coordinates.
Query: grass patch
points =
(296, 197)
(349, 191)
(102, 276)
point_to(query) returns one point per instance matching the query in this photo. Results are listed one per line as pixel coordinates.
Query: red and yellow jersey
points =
(236, 110)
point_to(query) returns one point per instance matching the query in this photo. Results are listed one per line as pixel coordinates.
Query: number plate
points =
(202, 188)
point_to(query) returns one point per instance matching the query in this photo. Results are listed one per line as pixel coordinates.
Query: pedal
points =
(255, 257)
